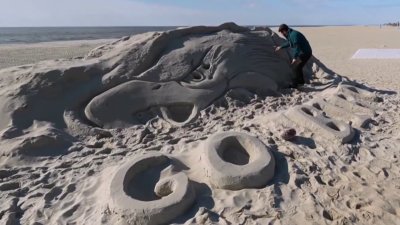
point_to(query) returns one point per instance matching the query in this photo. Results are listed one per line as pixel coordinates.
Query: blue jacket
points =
(298, 43)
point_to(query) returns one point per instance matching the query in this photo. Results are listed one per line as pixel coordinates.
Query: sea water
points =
(15, 35)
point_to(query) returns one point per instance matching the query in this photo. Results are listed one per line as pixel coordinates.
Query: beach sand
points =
(335, 46)
(20, 54)
(103, 140)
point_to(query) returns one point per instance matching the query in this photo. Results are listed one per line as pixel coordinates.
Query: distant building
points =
(395, 24)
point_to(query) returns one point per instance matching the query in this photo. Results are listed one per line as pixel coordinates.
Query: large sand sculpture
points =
(171, 74)
(140, 130)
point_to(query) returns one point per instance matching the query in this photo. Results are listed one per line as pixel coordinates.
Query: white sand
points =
(334, 46)
(20, 54)
(375, 53)
(78, 136)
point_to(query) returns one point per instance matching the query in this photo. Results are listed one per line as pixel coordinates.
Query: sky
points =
(16, 13)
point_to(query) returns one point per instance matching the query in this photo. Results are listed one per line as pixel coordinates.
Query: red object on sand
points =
(289, 134)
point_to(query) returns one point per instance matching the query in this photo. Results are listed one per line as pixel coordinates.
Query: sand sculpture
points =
(139, 194)
(53, 108)
(236, 161)
(194, 72)
(333, 114)
(172, 75)
(174, 193)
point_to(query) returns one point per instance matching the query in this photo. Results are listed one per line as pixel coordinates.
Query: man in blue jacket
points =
(301, 50)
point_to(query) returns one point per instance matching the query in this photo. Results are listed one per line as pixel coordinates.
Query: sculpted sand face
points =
(192, 72)
(173, 75)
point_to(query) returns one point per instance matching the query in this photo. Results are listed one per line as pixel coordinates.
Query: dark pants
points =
(298, 69)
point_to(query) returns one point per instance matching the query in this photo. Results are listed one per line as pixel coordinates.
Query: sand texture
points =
(335, 46)
(20, 54)
(195, 125)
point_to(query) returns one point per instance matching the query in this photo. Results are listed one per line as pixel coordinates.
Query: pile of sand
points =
(184, 127)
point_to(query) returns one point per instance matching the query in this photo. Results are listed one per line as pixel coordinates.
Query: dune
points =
(185, 127)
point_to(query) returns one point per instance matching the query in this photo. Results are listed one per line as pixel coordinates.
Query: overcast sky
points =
(195, 12)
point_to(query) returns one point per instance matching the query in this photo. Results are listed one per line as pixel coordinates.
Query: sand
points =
(374, 53)
(335, 46)
(20, 54)
(185, 127)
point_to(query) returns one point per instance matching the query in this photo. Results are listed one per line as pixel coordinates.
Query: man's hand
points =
(277, 48)
(296, 61)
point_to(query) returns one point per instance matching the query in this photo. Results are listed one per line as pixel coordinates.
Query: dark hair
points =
(283, 27)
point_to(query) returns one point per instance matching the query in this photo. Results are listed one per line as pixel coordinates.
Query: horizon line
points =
(122, 26)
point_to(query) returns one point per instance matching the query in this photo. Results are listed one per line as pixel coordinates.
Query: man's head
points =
(284, 30)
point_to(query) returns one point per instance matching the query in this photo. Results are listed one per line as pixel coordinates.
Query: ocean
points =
(15, 35)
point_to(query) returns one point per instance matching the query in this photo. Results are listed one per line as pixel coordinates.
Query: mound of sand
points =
(185, 127)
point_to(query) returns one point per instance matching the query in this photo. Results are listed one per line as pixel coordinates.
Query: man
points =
(301, 50)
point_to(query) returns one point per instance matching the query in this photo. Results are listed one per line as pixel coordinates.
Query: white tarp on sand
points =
(374, 53)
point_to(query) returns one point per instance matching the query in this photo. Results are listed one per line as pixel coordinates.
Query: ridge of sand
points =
(184, 127)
